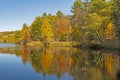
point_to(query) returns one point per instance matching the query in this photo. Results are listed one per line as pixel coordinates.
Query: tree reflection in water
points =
(80, 64)
(118, 75)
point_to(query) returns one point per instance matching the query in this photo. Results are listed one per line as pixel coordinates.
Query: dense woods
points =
(92, 21)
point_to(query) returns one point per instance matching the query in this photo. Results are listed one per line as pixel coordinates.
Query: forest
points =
(91, 22)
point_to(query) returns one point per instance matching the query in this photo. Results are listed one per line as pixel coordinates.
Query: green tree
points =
(60, 14)
(77, 10)
(116, 16)
(17, 36)
(35, 29)
(76, 34)
(102, 8)
(53, 21)
(80, 11)
(93, 28)
(44, 14)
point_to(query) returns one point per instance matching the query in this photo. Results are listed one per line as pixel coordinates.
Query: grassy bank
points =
(111, 44)
(52, 44)
(105, 45)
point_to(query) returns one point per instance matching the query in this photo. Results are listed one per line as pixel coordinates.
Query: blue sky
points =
(13, 13)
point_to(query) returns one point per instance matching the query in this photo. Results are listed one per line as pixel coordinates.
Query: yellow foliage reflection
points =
(46, 60)
(109, 65)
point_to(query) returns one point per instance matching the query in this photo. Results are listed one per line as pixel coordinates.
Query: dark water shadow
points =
(118, 75)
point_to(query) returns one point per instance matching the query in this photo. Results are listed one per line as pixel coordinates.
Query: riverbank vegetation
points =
(92, 22)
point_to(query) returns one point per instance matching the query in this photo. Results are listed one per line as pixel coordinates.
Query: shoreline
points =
(72, 44)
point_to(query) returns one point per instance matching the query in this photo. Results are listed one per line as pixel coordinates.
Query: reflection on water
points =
(118, 75)
(65, 63)
(6, 45)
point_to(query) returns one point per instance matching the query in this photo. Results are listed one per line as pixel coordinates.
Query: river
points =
(53, 63)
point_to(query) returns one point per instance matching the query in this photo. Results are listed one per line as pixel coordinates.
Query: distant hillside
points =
(10, 36)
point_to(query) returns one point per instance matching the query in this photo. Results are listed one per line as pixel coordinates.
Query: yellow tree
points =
(47, 32)
(25, 34)
(46, 60)
(109, 65)
(109, 31)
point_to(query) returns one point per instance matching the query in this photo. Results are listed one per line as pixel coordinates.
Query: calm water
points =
(25, 63)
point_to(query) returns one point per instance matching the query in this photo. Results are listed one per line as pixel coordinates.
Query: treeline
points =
(91, 22)
(10, 37)
(43, 28)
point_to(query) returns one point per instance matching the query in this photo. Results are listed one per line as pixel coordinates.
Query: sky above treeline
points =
(14, 13)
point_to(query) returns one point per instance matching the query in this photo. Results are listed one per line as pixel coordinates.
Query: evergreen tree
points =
(60, 14)
(35, 29)
(116, 17)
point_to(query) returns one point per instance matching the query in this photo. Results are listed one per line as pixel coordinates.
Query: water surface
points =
(26, 63)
